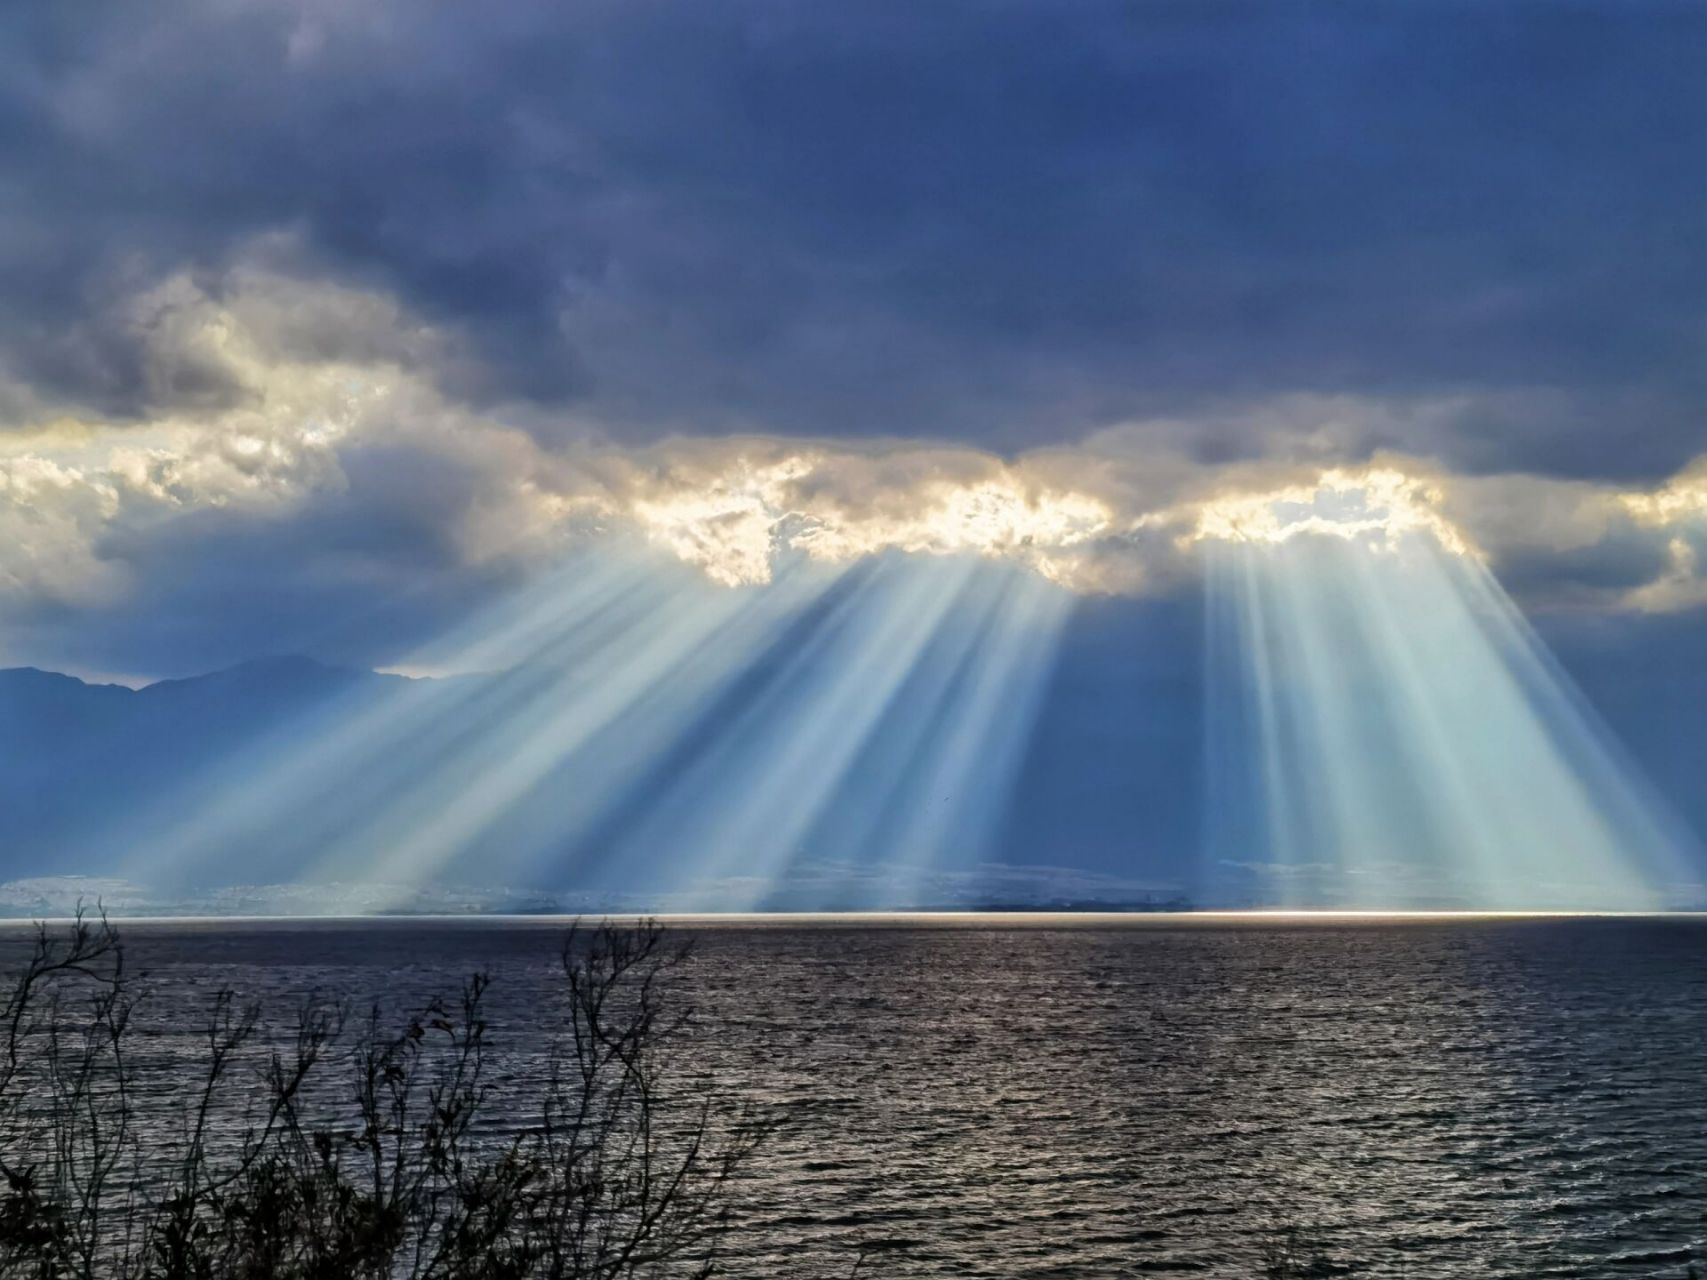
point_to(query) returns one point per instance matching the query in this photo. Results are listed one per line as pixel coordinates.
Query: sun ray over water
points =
(1389, 731)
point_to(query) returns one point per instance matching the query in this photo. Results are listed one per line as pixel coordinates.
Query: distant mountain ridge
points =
(78, 755)
(98, 780)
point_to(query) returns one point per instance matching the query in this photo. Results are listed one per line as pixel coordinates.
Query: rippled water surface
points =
(1087, 1097)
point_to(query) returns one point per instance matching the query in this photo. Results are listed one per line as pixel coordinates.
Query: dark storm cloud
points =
(1000, 222)
(1621, 562)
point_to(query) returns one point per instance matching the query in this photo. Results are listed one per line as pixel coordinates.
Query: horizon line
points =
(1038, 916)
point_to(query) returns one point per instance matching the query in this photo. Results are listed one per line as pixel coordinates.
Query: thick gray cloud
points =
(306, 304)
(1008, 223)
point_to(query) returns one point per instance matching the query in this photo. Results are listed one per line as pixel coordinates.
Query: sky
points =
(327, 328)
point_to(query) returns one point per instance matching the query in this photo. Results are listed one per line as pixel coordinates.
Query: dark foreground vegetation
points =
(346, 1145)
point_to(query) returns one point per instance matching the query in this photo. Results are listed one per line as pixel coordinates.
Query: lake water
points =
(1076, 1096)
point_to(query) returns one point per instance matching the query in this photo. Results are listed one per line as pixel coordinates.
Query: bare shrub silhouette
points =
(354, 1147)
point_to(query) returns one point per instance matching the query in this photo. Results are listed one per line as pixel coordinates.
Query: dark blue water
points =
(1148, 1096)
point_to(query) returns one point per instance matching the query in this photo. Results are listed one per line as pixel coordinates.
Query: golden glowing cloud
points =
(308, 379)
(1682, 498)
(734, 519)
(1377, 505)
(725, 523)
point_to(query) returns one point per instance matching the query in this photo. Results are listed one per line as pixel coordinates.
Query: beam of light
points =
(621, 707)
(1388, 731)
(733, 766)
(738, 815)
(312, 776)
(1359, 812)
(684, 651)
(392, 789)
(936, 781)
(670, 781)
(561, 818)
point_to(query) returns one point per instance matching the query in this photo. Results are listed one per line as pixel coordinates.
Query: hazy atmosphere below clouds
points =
(856, 456)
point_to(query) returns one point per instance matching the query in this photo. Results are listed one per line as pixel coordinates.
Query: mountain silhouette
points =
(82, 758)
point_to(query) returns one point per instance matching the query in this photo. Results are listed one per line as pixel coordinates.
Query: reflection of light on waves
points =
(1412, 739)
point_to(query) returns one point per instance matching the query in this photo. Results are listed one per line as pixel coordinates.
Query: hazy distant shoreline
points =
(57, 897)
(914, 919)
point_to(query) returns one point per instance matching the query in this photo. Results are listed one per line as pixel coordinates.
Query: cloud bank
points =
(333, 465)
(311, 311)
